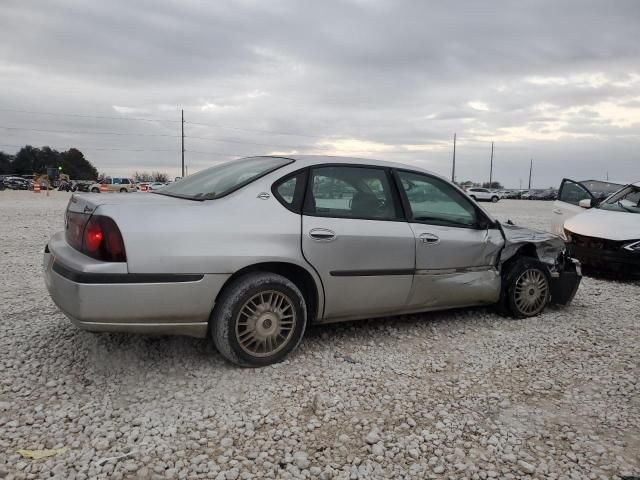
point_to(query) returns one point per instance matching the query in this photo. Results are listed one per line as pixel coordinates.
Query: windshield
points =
(217, 181)
(626, 200)
(601, 190)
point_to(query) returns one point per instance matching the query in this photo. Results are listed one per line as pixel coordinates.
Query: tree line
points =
(32, 160)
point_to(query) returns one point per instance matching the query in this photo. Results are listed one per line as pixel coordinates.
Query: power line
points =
(107, 148)
(240, 142)
(82, 115)
(143, 119)
(90, 132)
(255, 130)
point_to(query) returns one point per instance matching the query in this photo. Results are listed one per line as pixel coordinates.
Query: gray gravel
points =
(462, 394)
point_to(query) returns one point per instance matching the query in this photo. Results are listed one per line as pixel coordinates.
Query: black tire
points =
(123, 190)
(494, 199)
(512, 302)
(474, 198)
(95, 190)
(225, 322)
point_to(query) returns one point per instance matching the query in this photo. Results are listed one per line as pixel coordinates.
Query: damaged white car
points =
(602, 228)
(252, 251)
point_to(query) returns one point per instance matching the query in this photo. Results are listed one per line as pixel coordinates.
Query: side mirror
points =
(586, 203)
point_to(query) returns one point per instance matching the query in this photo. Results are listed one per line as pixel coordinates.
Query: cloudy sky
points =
(558, 81)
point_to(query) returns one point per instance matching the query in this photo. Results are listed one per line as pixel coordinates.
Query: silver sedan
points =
(252, 251)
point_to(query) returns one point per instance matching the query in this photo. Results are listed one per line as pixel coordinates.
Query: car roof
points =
(616, 182)
(309, 160)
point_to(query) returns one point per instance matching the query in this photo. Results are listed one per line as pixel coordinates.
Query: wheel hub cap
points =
(265, 323)
(531, 291)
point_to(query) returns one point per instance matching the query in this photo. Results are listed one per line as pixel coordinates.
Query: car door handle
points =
(558, 211)
(322, 234)
(429, 238)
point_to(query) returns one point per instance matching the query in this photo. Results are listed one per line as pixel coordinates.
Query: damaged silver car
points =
(252, 251)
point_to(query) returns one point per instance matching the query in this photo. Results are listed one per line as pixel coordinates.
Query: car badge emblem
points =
(264, 196)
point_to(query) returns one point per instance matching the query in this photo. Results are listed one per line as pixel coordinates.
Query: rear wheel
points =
(526, 288)
(95, 190)
(258, 319)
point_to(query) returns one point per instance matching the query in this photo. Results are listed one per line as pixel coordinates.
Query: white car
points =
(483, 194)
(571, 193)
(156, 185)
(604, 234)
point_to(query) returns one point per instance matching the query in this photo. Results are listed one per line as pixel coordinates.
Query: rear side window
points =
(351, 192)
(290, 190)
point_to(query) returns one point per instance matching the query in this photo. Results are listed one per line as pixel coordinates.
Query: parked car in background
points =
(114, 184)
(81, 185)
(572, 192)
(483, 194)
(252, 251)
(510, 194)
(549, 194)
(156, 185)
(17, 183)
(606, 237)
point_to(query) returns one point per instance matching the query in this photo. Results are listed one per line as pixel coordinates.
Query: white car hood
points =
(617, 226)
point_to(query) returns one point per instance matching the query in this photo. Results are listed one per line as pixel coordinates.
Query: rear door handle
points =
(322, 234)
(429, 238)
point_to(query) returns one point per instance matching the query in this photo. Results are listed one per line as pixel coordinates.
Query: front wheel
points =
(258, 319)
(494, 199)
(123, 190)
(95, 190)
(526, 288)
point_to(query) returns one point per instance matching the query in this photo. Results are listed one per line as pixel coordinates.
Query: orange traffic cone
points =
(103, 187)
(36, 188)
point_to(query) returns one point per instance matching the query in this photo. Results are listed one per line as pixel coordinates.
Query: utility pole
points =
(530, 170)
(182, 143)
(453, 169)
(491, 168)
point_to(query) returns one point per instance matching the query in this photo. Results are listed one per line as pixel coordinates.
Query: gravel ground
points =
(460, 394)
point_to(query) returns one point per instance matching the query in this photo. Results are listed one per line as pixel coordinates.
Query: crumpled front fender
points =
(548, 246)
(550, 249)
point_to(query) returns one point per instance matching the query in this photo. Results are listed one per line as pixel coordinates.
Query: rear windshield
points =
(217, 181)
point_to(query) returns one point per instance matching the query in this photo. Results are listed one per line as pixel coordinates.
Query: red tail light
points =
(96, 236)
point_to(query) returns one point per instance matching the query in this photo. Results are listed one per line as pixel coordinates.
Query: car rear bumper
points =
(133, 303)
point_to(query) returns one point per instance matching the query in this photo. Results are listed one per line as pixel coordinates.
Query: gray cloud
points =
(558, 81)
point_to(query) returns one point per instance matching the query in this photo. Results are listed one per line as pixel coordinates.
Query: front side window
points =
(222, 179)
(125, 181)
(434, 201)
(116, 181)
(351, 192)
(572, 192)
